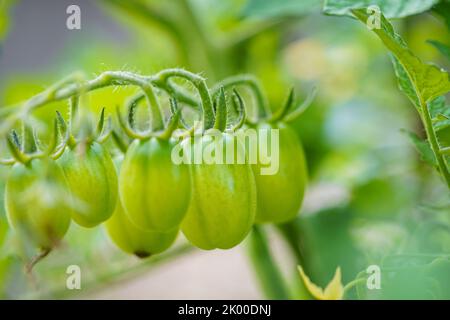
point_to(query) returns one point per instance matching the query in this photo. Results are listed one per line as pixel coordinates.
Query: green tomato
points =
(280, 195)
(92, 181)
(223, 204)
(37, 203)
(155, 192)
(134, 240)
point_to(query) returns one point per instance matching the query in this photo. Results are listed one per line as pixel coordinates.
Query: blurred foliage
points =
(372, 198)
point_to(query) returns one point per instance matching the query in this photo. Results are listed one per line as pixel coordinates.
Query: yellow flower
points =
(333, 291)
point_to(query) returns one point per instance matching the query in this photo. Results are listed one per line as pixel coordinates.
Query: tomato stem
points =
(161, 79)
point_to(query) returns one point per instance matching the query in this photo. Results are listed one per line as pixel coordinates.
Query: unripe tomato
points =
(37, 202)
(134, 240)
(280, 195)
(92, 180)
(155, 192)
(223, 204)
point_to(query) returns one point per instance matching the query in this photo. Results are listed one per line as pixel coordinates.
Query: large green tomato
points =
(92, 180)
(223, 204)
(280, 195)
(155, 192)
(134, 240)
(37, 202)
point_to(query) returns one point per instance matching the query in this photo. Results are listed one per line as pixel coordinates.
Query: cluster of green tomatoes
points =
(142, 197)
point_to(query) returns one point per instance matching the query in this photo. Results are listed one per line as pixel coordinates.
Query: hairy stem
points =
(162, 78)
(431, 134)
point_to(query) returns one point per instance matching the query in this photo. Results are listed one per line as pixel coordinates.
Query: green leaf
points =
(423, 147)
(443, 48)
(276, 8)
(389, 8)
(427, 80)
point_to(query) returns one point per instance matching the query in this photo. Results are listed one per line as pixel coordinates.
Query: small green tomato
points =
(280, 195)
(92, 181)
(223, 205)
(134, 240)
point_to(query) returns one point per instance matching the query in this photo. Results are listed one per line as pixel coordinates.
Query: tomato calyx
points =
(129, 125)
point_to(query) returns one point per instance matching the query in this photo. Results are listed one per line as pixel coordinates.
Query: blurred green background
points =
(371, 199)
